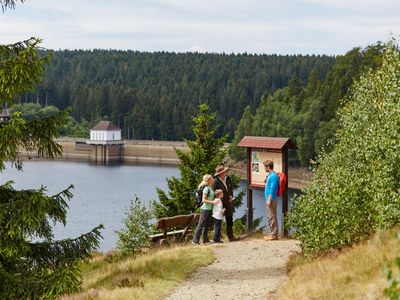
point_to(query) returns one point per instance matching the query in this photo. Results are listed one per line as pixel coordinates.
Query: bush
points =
(356, 187)
(136, 234)
(239, 225)
(393, 291)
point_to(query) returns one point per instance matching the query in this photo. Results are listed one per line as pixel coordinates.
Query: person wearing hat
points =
(223, 181)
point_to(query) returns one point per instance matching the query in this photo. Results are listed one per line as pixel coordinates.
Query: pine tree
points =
(206, 152)
(32, 264)
(244, 128)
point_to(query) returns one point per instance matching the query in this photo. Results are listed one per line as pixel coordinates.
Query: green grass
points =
(149, 276)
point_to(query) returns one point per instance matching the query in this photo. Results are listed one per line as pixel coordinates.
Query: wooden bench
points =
(167, 223)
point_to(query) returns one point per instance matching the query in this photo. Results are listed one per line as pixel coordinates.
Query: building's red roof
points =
(105, 125)
(271, 143)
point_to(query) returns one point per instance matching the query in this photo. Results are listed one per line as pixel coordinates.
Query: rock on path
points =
(247, 269)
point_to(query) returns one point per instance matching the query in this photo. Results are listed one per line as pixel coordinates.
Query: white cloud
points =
(296, 26)
(356, 4)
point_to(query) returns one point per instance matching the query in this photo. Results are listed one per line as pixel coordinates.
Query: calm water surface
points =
(102, 193)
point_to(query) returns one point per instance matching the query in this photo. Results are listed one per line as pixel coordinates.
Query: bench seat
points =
(168, 223)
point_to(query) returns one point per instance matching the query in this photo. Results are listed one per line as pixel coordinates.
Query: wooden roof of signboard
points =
(269, 143)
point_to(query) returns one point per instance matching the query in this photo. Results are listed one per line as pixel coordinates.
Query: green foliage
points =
(239, 225)
(32, 264)
(307, 112)
(46, 268)
(393, 291)
(155, 95)
(33, 111)
(20, 68)
(73, 129)
(244, 128)
(356, 187)
(206, 152)
(70, 128)
(37, 134)
(136, 234)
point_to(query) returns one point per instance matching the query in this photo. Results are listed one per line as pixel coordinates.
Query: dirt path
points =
(247, 269)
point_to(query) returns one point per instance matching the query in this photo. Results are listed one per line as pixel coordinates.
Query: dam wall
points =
(126, 152)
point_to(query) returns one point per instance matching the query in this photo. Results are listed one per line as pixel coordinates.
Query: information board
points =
(258, 173)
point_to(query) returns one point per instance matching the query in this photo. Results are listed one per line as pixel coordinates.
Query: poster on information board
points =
(258, 173)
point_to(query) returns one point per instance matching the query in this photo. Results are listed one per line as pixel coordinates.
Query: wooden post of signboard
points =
(249, 212)
(285, 202)
(258, 150)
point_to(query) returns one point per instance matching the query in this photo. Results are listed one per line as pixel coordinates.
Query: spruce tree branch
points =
(18, 134)
(26, 213)
(8, 4)
(43, 285)
(10, 50)
(52, 255)
(21, 68)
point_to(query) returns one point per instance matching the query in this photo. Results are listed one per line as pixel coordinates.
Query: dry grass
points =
(150, 276)
(354, 273)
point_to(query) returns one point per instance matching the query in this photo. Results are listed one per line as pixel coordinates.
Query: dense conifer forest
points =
(308, 113)
(156, 95)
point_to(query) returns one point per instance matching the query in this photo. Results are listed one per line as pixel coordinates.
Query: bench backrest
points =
(176, 221)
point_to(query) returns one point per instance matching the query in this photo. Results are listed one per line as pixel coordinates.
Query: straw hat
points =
(220, 169)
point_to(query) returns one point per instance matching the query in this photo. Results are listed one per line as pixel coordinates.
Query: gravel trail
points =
(246, 269)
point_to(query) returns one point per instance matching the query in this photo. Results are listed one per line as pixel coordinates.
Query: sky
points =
(330, 27)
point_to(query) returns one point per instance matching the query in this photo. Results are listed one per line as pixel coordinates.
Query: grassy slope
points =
(354, 273)
(149, 276)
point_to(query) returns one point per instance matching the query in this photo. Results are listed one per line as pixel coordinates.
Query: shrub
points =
(239, 225)
(356, 187)
(136, 234)
(393, 291)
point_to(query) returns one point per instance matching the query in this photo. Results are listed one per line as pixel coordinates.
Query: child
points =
(218, 215)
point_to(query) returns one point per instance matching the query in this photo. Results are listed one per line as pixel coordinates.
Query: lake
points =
(102, 194)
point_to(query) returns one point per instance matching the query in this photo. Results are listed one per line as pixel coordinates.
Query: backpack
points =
(198, 196)
(281, 183)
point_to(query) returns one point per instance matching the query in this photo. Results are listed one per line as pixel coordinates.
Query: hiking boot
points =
(270, 238)
(233, 239)
(195, 243)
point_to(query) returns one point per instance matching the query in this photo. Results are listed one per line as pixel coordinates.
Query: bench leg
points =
(163, 242)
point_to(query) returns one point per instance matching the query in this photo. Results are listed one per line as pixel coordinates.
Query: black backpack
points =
(198, 196)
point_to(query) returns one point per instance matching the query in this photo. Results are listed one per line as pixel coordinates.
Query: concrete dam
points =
(125, 152)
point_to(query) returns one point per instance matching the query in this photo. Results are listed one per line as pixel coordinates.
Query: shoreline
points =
(153, 153)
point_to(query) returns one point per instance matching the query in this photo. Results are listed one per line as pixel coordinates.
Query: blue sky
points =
(254, 26)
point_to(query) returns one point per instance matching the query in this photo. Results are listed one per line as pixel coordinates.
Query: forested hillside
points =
(307, 114)
(155, 95)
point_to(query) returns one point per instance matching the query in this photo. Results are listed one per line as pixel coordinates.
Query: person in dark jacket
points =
(223, 181)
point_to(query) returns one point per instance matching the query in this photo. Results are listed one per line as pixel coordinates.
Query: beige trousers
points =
(273, 218)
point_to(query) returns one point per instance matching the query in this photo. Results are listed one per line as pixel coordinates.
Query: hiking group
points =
(216, 202)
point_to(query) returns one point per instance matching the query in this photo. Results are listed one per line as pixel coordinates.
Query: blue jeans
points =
(202, 227)
(217, 230)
